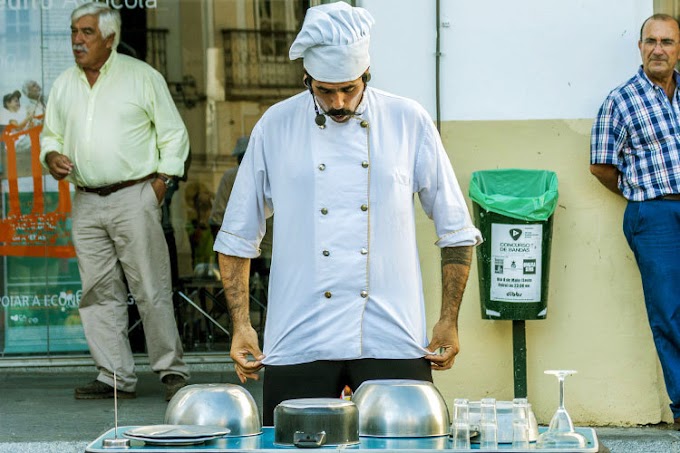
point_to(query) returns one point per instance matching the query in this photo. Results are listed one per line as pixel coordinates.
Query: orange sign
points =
(36, 233)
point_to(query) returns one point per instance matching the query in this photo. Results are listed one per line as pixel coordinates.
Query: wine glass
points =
(561, 433)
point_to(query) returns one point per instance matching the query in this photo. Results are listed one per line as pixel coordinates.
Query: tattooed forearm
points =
(455, 271)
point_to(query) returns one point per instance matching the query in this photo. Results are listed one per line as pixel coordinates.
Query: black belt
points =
(108, 190)
(669, 197)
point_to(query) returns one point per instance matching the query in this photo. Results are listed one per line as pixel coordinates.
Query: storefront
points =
(225, 63)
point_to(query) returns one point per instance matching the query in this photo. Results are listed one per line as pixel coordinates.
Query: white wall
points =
(521, 59)
(521, 83)
(403, 48)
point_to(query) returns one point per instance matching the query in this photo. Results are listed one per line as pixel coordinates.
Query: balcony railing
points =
(149, 44)
(185, 91)
(256, 65)
(156, 49)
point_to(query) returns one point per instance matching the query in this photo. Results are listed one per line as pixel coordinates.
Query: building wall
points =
(520, 85)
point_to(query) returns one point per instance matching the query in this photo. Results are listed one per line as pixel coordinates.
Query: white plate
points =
(173, 442)
(176, 432)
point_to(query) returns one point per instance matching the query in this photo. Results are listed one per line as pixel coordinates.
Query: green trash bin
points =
(513, 209)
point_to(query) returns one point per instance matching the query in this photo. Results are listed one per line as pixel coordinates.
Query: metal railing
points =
(156, 49)
(257, 67)
(185, 91)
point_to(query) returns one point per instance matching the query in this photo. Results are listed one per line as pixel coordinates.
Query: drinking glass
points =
(520, 423)
(488, 425)
(561, 433)
(460, 428)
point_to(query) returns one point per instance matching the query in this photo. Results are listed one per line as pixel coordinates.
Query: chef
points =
(340, 164)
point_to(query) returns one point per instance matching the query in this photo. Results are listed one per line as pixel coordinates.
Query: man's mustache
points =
(79, 48)
(339, 112)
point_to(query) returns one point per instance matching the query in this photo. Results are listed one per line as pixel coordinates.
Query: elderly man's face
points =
(33, 90)
(90, 49)
(659, 48)
(339, 100)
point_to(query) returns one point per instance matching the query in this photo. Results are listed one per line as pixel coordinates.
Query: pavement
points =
(38, 413)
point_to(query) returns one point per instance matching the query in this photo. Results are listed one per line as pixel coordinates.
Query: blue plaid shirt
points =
(638, 130)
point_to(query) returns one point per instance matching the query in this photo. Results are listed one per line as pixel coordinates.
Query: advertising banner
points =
(41, 293)
(41, 286)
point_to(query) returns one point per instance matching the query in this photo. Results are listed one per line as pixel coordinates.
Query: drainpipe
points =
(211, 67)
(209, 27)
(438, 55)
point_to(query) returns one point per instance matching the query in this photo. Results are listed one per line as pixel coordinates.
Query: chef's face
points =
(339, 100)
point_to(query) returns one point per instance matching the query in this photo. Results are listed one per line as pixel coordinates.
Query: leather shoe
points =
(173, 382)
(97, 390)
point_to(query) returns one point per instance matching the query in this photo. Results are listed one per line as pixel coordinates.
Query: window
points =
(274, 18)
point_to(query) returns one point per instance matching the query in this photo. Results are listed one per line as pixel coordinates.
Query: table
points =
(264, 443)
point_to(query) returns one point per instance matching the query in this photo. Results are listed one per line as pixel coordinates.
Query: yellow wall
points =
(596, 322)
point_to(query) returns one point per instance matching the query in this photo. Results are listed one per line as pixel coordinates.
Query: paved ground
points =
(38, 413)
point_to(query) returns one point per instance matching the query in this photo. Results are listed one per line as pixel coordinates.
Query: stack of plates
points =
(176, 434)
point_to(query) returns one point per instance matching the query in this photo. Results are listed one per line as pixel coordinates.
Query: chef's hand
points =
(244, 342)
(60, 166)
(445, 340)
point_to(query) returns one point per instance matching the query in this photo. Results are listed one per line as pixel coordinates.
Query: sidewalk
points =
(38, 413)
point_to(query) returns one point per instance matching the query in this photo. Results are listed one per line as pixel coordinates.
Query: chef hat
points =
(333, 42)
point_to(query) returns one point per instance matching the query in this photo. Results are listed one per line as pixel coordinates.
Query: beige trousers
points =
(119, 238)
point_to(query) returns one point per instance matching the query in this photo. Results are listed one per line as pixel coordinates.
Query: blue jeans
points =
(652, 229)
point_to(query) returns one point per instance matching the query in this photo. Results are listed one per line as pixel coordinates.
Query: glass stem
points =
(561, 379)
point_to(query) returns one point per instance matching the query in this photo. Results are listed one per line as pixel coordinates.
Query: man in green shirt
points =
(112, 129)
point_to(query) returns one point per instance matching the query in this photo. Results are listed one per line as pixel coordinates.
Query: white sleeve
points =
(440, 194)
(244, 223)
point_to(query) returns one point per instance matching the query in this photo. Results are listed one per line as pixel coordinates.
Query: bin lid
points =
(516, 193)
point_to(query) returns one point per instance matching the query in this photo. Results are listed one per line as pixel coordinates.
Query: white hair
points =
(109, 19)
(27, 84)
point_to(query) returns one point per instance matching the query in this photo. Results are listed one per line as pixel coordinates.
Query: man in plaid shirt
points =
(635, 152)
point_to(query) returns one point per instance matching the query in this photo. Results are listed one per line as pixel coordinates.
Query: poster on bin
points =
(516, 252)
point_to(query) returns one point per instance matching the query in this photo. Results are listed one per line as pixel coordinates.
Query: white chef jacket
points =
(345, 278)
